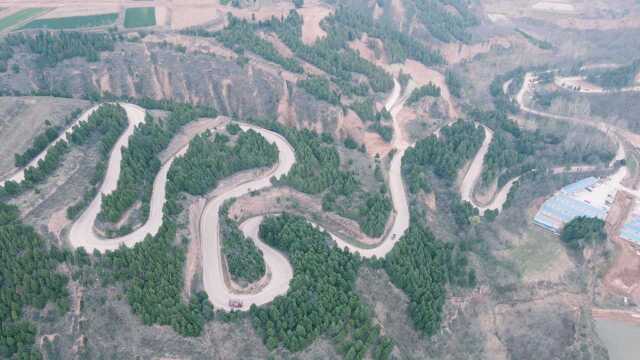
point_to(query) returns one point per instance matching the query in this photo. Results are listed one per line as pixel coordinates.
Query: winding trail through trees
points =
(280, 272)
(617, 133)
(214, 274)
(18, 175)
(472, 177)
(82, 232)
(475, 170)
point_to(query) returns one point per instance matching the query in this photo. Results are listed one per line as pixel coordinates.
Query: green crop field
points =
(19, 16)
(140, 17)
(73, 22)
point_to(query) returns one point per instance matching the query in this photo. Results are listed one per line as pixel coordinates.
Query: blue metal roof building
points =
(579, 185)
(563, 207)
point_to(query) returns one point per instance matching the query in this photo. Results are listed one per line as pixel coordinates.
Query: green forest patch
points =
(73, 22)
(19, 16)
(140, 17)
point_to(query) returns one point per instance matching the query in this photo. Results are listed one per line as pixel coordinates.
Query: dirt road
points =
(616, 133)
(471, 178)
(18, 176)
(213, 271)
(394, 104)
(82, 232)
(475, 170)
(582, 85)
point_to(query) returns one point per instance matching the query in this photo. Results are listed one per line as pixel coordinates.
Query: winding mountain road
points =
(616, 132)
(279, 269)
(475, 170)
(82, 232)
(214, 273)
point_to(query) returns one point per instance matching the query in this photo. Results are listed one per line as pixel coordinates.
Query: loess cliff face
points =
(140, 70)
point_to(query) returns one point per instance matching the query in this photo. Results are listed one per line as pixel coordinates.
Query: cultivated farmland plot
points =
(20, 16)
(73, 22)
(140, 17)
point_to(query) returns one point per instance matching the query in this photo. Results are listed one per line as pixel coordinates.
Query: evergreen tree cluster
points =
(443, 24)
(43, 140)
(211, 158)
(430, 89)
(373, 214)
(445, 155)
(329, 54)
(244, 260)
(40, 143)
(321, 299)
(385, 132)
(511, 149)
(54, 47)
(367, 112)
(463, 212)
(6, 53)
(542, 44)
(349, 24)
(138, 168)
(320, 88)
(454, 84)
(502, 102)
(582, 232)
(422, 266)
(317, 171)
(140, 163)
(317, 166)
(240, 36)
(152, 270)
(616, 78)
(109, 121)
(28, 277)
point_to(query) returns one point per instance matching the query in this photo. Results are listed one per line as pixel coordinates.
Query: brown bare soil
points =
(484, 195)
(279, 200)
(458, 52)
(623, 277)
(398, 10)
(57, 222)
(286, 112)
(377, 11)
(423, 75)
(188, 16)
(312, 15)
(612, 314)
(430, 201)
(360, 46)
